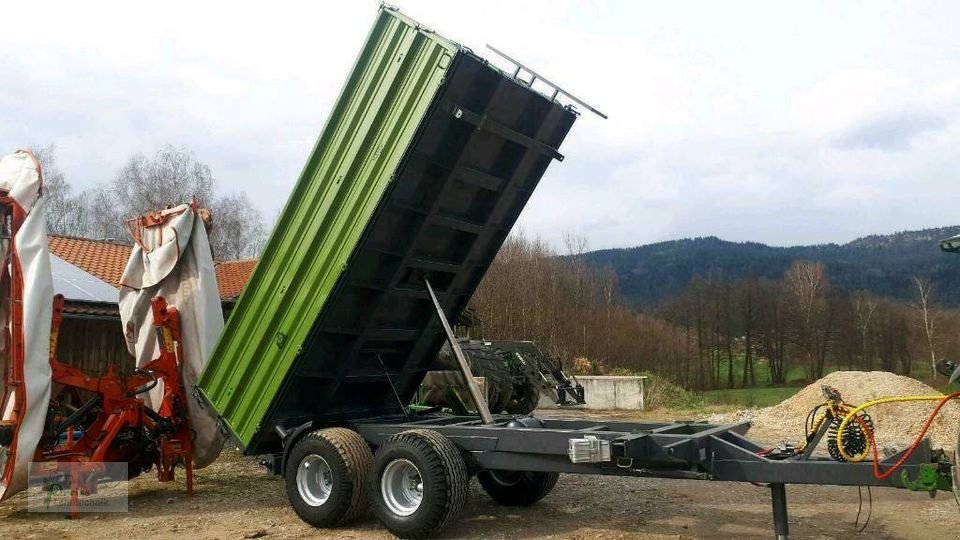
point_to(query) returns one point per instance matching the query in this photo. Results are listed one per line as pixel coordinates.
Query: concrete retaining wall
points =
(607, 393)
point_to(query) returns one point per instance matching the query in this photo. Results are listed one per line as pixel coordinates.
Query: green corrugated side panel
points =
(388, 93)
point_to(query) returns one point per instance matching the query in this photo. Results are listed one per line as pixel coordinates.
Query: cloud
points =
(892, 131)
(782, 189)
(751, 123)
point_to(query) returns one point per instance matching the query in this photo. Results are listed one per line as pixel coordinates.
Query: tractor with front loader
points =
(516, 374)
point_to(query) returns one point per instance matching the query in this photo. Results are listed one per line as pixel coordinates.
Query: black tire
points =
(348, 458)
(517, 488)
(485, 362)
(526, 397)
(443, 482)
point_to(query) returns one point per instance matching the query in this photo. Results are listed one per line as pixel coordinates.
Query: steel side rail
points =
(662, 450)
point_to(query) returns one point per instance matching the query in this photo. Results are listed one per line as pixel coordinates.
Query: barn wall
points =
(93, 344)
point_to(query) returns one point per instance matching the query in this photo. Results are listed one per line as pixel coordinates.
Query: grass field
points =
(765, 393)
(750, 397)
(795, 375)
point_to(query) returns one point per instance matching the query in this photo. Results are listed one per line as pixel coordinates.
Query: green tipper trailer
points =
(428, 157)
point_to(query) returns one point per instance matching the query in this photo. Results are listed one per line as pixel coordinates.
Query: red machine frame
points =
(116, 397)
(12, 218)
(79, 452)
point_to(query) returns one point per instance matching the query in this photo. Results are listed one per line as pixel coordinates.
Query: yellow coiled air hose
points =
(850, 416)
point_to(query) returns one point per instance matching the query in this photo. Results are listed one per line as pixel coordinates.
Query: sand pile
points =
(897, 424)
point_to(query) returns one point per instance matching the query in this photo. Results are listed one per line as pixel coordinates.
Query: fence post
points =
(643, 406)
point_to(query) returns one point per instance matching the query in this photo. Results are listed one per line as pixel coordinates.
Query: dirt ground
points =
(236, 498)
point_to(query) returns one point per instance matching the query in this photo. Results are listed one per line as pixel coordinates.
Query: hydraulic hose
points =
(852, 415)
(853, 441)
(147, 387)
(77, 415)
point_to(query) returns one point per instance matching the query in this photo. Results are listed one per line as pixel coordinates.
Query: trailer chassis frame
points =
(669, 450)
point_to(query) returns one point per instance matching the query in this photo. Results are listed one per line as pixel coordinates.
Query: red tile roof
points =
(232, 277)
(106, 259)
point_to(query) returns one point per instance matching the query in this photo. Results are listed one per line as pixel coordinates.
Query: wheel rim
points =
(401, 487)
(506, 478)
(314, 480)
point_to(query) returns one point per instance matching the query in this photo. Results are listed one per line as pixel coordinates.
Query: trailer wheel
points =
(326, 476)
(419, 483)
(517, 488)
(526, 397)
(485, 362)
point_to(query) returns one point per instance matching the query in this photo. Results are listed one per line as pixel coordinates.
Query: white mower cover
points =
(26, 264)
(173, 260)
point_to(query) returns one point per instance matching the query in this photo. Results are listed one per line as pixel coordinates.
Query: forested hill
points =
(882, 264)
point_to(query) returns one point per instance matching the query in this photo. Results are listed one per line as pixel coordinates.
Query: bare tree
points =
(813, 315)
(576, 246)
(172, 177)
(774, 339)
(65, 212)
(104, 218)
(747, 290)
(806, 281)
(865, 307)
(572, 309)
(238, 228)
(929, 318)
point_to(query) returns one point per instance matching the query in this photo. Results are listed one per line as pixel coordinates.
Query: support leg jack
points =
(781, 526)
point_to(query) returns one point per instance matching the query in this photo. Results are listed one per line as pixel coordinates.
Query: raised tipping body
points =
(426, 161)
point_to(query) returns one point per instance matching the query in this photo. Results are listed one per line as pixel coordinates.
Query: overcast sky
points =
(813, 122)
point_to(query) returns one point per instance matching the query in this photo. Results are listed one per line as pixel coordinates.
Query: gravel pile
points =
(897, 424)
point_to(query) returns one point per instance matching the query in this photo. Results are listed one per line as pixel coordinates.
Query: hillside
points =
(883, 264)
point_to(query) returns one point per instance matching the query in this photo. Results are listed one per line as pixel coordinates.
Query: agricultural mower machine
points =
(61, 426)
(426, 161)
